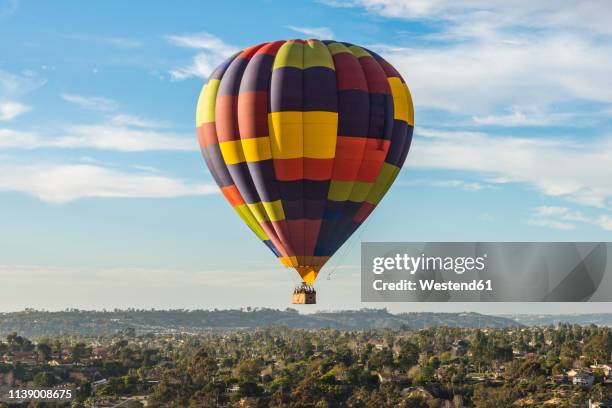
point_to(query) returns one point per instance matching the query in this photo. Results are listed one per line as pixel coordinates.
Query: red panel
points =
(348, 147)
(232, 195)
(289, 169)
(304, 235)
(283, 235)
(253, 114)
(318, 169)
(375, 75)
(226, 118)
(390, 71)
(363, 212)
(303, 168)
(270, 231)
(349, 74)
(207, 135)
(373, 158)
(349, 153)
(270, 48)
(249, 52)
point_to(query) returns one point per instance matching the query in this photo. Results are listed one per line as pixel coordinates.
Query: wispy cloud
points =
(62, 183)
(100, 137)
(473, 15)
(136, 121)
(488, 75)
(458, 184)
(527, 116)
(10, 110)
(577, 170)
(323, 33)
(13, 84)
(211, 52)
(97, 103)
(566, 219)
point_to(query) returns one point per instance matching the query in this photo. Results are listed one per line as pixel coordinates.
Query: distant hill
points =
(33, 323)
(600, 319)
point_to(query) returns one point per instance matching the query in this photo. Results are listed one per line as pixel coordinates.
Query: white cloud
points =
(488, 75)
(109, 137)
(565, 218)
(136, 121)
(322, 33)
(96, 103)
(576, 170)
(10, 110)
(62, 183)
(201, 67)
(212, 51)
(202, 41)
(605, 221)
(12, 84)
(101, 137)
(525, 116)
(459, 184)
(473, 15)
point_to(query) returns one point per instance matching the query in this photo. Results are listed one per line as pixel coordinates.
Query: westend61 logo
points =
(413, 264)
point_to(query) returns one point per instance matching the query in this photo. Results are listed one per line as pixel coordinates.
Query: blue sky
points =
(106, 202)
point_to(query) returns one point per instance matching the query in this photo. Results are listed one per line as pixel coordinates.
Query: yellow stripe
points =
(387, 175)
(360, 191)
(286, 134)
(205, 111)
(244, 213)
(359, 52)
(290, 54)
(316, 54)
(400, 99)
(410, 106)
(320, 134)
(337, 48)
(256, 148)
(267, 211)
(274, 209)
(288, 261)
(232, 152)
(340, 190)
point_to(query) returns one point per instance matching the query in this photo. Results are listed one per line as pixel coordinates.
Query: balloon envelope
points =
(304, 138)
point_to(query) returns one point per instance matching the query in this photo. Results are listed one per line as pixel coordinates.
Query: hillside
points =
(599, 319)
(33, 323)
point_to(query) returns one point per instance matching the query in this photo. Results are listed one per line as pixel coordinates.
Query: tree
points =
(44, 379)
(408, 355)
(79, 352)
(43, 352)
(247, 371)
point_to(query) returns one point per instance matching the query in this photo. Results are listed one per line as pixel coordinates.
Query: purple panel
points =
(353, 113)
(230, 83)
(242, 178)
(286, 90)
(320, 92)
(262, 174)
(257, 74)
(216, 165)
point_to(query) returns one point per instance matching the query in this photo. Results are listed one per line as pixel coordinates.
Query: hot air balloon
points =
(304, 138)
